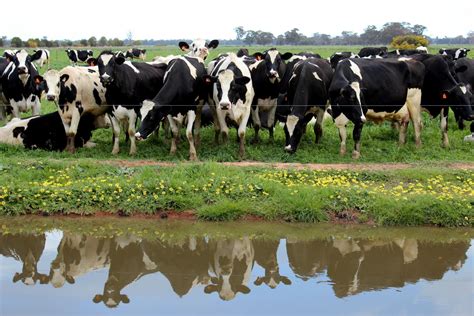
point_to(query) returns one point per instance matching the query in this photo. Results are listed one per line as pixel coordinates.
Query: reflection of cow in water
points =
(231, 266)
(28, 250)
(355, 266)
(266, 257)
(77, 255)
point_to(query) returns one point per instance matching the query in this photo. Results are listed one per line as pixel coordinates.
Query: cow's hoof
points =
(71, 150)
(115, 151)
(90, 144)
(355, 155)
(342, 152)
(193, 157)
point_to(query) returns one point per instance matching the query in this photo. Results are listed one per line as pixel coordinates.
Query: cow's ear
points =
(213, 44)
(209, 79)
(124, 298)
(259, 56)
(183, 46)
(242, 80)
(243, 289)
(38, 80)
(64, 78)
(286, 56)
(70, 279)
(258, 281)
(210, 289)
(97, 298)
(119, 60)
(144, 51)
(16, 277)
(462, 68)
(285, 280)
(444, 95)
(468, 50)
(92, 61)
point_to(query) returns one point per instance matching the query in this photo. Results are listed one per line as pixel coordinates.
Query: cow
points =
(267, 73)
(19, 86)
(338, 56)
(26, 248)
(41, 57)
(76, 56)
(198, 48)
(372, 51)
(406, 52)
(390, 87)
(308, 258)
(46, 132)
(441, 91)
(232, 95)
(231, 267)
(78, 254)
(183, 93)
(454, 53)
(9, 53)
(466, 77)
(308, 97)
(266, 257)
(128, 84)
(128, 262)
(133, 53)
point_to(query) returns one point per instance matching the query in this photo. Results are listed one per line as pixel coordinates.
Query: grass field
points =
(34, 181)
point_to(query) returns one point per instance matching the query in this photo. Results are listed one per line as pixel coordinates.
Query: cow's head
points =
(198, 48)
(459, 98)
(150, 121)
(274, 65)
(22, 62)
(107, 63)
(112, 296)
(229, 90)
(349, 99)
(50, 84)
(29, 274)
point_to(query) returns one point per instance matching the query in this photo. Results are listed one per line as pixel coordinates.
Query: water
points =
(241, 269)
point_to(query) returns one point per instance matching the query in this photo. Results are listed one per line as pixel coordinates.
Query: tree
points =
(129, 39)
(32, 43)
(264, 38)
(83, 42)
(92, 41)
(392, 29)
(293, 37)
(240, 32)
(418, 29)
(103, 41)
(470, 37)
(16, 42)
(370, 36)
(2, 41)
(250, 37)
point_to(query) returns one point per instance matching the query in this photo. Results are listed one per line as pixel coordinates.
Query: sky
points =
(213, 19)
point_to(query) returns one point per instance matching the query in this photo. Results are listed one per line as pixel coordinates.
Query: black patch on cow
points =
(92, 71)
(33, 98)
(17, 131)
(79, 107)
(97, 98)
(68, 94)
(95, 84)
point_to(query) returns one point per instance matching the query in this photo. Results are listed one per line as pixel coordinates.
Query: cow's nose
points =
(22, 70)
(273, 73)
(50, 97)
(224, 105)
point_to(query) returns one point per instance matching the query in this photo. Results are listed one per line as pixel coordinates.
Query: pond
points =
(157, 267)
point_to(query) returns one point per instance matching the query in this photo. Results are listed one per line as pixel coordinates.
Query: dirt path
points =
(307, 166)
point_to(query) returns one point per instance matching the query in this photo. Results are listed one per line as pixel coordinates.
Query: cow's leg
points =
(175, 134)
(341, 123)
(116, 134)
(459, 120)
(402, 136)
(444, 127)
(35, 104)
(216, 122)
(224, 130)
(3, 112)
(15, 108)
(189, 134)
(318, 126)
(356, 133)
(71, 131)
(271, 118)
(132, 123)
(197, 126)
(241, 134)
(414, 109)
(256, 124)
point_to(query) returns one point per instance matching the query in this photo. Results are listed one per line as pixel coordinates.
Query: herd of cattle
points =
(227, 266)
(234, 89)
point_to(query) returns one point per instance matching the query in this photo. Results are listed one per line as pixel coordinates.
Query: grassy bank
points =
(411, 197)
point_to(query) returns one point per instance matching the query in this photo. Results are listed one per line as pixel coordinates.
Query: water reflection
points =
(226, 267)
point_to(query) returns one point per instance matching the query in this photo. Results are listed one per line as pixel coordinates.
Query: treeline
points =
(371, 36)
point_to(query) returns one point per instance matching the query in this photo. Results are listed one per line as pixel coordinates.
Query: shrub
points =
(409, 41)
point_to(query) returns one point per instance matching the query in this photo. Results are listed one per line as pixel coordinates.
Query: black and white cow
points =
(128, 84)
(455, 53)
(466, 77)
(8, 53)
(389, 88)
(267, 73)
(372, 51)
(232, 95)
(266, 257)
(406, 52)
(183, 93)
(40, 57)
(198, 48)
(136, 53)
(338, 56)
(442, 91)
(76, 55)
(308, 97)
(18, 84)
(46, 132)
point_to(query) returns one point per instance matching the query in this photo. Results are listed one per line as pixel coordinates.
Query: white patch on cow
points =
(106, 58)
(291, 122)
(21, 56)
(355, 69)
(6, 132)
(457, 53)
(273, 55)
(129, 64)
(146, 108)
(255, 65)
(192, 69)
(356, 86)
(404, 58)
(149, 265)
(341, 120)
(10, 68)
(463, 89)
(167, 72)
(422, 49)
(52, 81)
(315, 74)
(225, 78)
(296, 57)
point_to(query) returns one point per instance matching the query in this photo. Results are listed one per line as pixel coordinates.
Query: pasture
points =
(31, 182)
